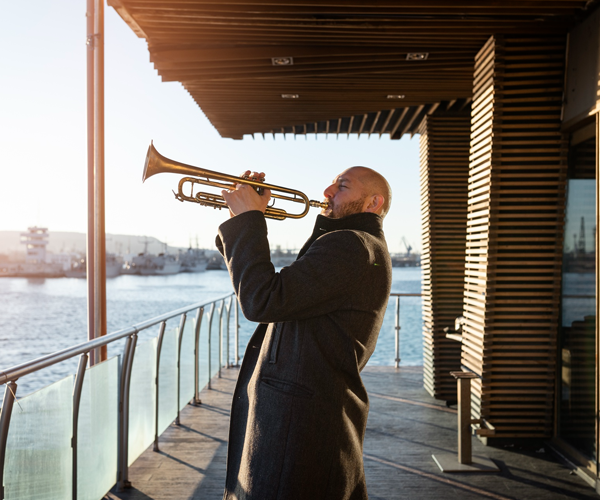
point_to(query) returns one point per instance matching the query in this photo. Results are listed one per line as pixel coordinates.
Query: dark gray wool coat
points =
(299, 410)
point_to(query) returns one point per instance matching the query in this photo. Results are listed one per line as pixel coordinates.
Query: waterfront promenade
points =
(406, 426)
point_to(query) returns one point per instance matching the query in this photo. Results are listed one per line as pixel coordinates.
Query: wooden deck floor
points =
(405, 428)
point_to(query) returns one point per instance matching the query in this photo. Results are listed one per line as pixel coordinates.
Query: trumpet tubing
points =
(159, 164)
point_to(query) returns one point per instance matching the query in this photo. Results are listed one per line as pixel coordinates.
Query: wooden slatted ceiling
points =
(444, 161)
(348, 56)
(514, 235)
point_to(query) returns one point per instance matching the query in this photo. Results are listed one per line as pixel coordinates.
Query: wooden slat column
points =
(515, 233)
(444, 162)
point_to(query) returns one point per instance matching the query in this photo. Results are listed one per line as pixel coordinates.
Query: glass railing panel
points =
(97, 432)
(246, 330)
(411, 334)
(167, 381)
(186, 387)
(39, 458)
(203, 347)
(142, 396)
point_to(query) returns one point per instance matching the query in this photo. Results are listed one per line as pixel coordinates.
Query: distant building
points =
(35, 240)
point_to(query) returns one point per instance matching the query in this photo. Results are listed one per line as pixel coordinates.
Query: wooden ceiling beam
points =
(235, 32)
(174, 55)
(342, 70)
(423, 6)
(338, 22)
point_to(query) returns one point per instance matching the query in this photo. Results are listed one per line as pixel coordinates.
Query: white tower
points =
(35, 239)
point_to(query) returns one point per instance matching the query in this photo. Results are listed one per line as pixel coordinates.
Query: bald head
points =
(375, 184)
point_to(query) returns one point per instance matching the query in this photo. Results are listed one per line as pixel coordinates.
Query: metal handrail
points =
(18, 371)
(11, 375)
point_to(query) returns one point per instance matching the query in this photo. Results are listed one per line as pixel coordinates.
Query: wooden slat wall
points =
(444, 145)
(515, 233)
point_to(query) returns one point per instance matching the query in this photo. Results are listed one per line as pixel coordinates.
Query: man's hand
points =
(245, 198)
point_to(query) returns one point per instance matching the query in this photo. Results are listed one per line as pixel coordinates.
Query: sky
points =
(43, 150)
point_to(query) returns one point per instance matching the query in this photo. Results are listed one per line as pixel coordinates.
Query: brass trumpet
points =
(158, 164)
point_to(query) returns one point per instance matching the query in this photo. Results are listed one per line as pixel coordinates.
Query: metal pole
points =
(464, 421)
(237, 334)
(397, 331)
(181, 329)
(161, 335)
(10, 393)
(90, 42)
(77, 388)
(96, 240)
(123, 475)
(199, 315)
(221, 308)
(227, 365)
(210, 317)
(99, 225)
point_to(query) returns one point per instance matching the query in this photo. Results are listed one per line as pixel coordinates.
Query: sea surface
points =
(41, 316)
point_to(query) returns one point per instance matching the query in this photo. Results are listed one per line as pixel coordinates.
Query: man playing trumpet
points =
(299, 409)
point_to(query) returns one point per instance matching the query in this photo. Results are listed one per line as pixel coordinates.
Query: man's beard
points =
(337, 212)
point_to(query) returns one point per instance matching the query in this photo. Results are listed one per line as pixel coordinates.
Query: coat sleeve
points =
(323, 279)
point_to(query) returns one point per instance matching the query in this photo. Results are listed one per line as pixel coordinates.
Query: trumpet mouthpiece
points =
(318, 204)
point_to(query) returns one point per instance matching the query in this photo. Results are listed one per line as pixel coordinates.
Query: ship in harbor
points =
(159, 265)
(114, 266)
(193, 260)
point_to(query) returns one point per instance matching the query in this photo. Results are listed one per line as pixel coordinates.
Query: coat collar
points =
(365, 221)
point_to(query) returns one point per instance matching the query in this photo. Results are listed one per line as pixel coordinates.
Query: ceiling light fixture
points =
(417, 56)
(282, 61)
(396, 96)
(290, 96)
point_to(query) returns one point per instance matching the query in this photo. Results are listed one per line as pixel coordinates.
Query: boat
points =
(193, 260)
(159, 265)
(216, 263)
(114, 266)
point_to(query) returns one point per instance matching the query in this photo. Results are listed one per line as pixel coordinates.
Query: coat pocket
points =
(275, 342)
(290, 388)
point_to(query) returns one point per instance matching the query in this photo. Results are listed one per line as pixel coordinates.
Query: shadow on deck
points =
(406, 426)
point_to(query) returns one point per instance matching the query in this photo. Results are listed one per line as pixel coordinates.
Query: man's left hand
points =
(245, 198)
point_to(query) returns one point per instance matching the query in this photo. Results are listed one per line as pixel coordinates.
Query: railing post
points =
(161, 335)
(128, 355)
(181, 328)
(227, 364)
(10, 393)
(199, 315)
(221, 308)
(237, 333)
(210, 317)
(397, 332)
(77, 388)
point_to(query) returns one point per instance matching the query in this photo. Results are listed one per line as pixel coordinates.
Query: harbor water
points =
(38, 317)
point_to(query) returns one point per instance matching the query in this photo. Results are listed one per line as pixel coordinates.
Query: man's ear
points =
(375, 204)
